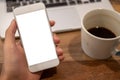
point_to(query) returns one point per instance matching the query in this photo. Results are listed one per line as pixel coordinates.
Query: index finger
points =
(52, 22)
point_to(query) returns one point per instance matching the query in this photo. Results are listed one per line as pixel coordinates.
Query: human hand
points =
(15, 64)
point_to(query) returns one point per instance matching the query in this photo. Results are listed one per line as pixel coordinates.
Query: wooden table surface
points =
(77, 65)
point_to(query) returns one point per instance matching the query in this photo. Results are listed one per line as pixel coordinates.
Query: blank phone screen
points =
(36, 37)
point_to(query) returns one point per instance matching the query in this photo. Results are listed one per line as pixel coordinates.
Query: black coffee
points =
(101, 32)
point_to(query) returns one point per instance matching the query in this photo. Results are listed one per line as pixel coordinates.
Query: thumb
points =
(10, 32)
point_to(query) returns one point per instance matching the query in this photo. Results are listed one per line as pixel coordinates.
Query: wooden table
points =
(77, 65)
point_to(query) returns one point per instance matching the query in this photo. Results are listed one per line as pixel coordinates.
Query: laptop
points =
(66, 13)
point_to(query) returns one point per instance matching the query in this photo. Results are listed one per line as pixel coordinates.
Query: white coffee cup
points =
(97, 47)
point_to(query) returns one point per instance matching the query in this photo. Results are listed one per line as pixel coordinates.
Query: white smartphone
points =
(36, 36)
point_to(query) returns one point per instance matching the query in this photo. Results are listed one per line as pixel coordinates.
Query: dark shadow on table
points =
(49, 73)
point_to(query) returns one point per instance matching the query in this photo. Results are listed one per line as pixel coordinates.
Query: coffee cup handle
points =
(117, 51)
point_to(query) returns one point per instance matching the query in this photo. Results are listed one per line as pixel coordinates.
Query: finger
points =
(10, 32)
(59, 51)
(61, 58)
(52, 22)
(56, 39)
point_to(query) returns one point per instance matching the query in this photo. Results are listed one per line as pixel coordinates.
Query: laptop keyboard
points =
(11, 4)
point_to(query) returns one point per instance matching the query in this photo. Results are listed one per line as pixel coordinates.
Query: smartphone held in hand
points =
(36, 37)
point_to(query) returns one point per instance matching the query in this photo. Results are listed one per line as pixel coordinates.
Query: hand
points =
(15, 64)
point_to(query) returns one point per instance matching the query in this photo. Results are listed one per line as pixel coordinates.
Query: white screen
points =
(36, 37)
